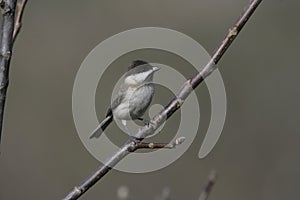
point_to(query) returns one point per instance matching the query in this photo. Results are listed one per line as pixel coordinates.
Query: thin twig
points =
(6, 43)
(18, 17)
(152, 145)
(211, 180)
(174, 105)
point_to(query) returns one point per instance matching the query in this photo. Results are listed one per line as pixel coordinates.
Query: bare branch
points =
(18, 17)
(167, 112)
(6, 43)
(211, 180)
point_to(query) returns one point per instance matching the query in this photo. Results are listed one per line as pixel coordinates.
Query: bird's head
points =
(140, 72)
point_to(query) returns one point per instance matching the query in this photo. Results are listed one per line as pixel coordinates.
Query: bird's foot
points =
(135, 139)
(145, 121)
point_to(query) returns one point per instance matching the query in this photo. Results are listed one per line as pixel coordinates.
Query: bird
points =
(133, 98)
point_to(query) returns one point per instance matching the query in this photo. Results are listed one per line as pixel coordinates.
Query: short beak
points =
(155, 68)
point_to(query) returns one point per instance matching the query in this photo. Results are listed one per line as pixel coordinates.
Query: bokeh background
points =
(257, 156)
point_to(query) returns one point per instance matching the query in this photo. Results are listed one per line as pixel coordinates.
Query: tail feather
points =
(101, 127)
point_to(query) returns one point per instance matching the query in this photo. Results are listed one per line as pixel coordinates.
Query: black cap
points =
(138, 66)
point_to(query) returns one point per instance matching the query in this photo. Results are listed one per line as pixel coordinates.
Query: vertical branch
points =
(6, 43)
(12, 12)
(174, 105)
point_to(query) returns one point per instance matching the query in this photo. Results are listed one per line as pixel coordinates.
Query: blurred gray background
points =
(257, 156)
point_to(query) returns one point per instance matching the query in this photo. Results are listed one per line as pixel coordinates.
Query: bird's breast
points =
(135, 102)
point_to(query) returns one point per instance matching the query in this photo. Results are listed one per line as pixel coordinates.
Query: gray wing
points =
(117, 101)
(109, 115)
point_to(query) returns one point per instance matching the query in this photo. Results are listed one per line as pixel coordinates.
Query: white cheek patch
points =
(137, 78)
(130, 80)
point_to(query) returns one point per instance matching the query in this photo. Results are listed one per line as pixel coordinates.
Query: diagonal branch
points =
(6, 43)
(167, 112)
